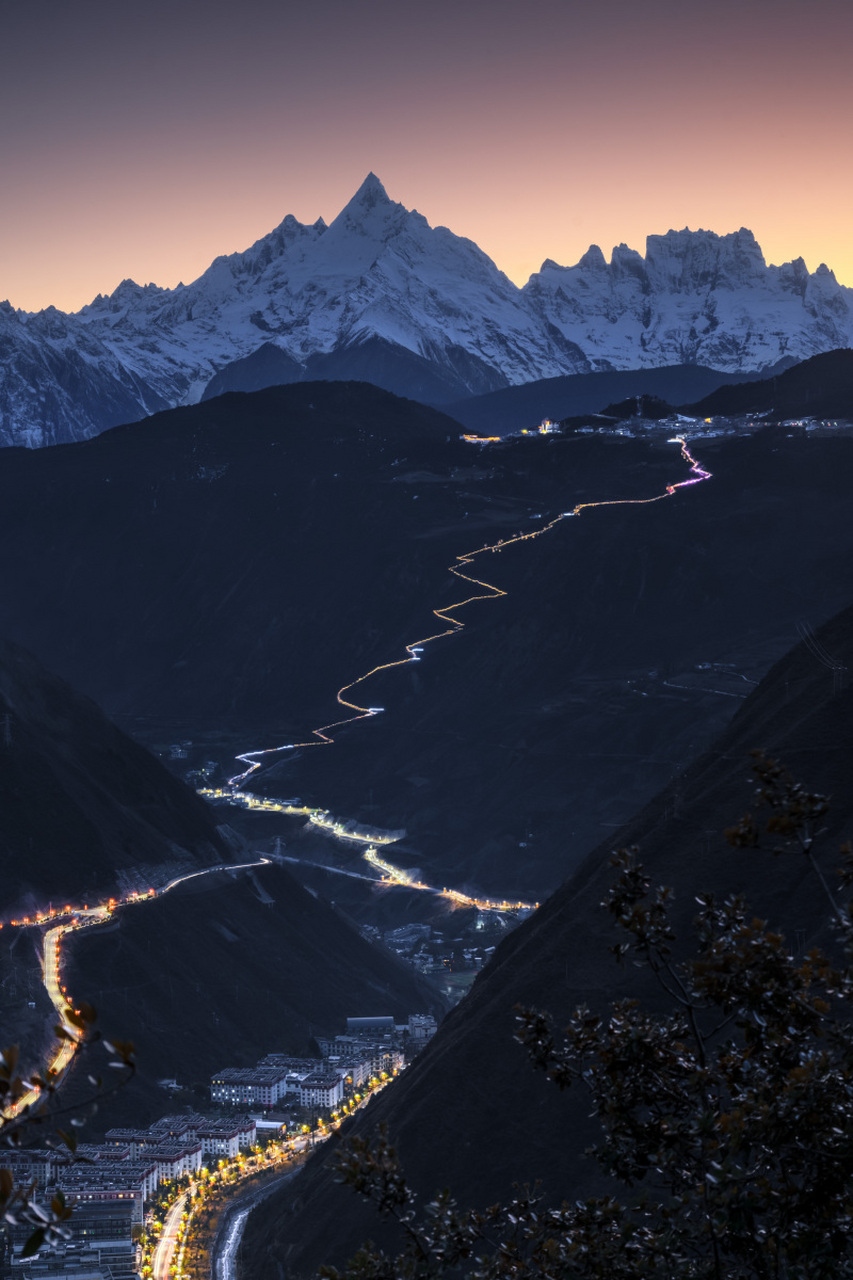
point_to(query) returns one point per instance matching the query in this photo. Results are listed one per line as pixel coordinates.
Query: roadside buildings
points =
(107, 1186)
(377, 1055)
(373, 1046)
(99, 1245)
(421, 1027)
(249, 1086)
(174, 1159)
(324, 1089)
(225, 1138)
(107, 1202)
(356, 1071)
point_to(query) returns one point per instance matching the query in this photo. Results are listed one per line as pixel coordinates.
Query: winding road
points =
(322, 736)
(70, 920)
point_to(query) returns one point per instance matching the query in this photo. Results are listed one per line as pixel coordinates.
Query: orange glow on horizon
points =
(147, 144)
(87, 256)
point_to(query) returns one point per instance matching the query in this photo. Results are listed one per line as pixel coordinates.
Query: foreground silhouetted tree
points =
(43, 1118)
(728, 1120)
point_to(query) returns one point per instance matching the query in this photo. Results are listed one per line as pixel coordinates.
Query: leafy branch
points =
(19, 1204)
(727, 1119)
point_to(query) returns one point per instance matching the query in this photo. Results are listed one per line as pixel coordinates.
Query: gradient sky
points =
(143, 140)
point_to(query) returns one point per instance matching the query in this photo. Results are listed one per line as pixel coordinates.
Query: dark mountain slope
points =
(269, 366)
(217, 573)
(821, 387)
(443, 375)
(82, 804)
(500, 412)
(470, 1113)
(509, 750)
(224, 968)
(194, 566)
(227, 968)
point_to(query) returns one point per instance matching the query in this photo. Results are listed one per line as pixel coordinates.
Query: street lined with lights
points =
(396, 875)
(165, 1259)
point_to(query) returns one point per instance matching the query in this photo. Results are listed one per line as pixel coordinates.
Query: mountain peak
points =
(593, 259)
(370, 212)
(370, 193)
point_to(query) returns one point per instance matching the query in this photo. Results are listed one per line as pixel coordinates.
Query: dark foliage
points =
(31, 1109)
(726, 1118)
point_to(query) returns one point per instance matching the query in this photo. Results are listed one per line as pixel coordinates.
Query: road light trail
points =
(322, 737)
(397, 875)
(161, 1262)
(206, 871)
(70, 1035)
(254, 760)
(317, 817)
(62, 1003)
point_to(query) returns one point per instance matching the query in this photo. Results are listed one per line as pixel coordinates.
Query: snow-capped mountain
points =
(696, 298)
(381, 295)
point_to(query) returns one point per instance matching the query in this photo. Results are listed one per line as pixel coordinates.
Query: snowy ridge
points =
(697, 298)
(380, 294)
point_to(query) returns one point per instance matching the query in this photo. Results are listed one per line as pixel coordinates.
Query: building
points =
(99, 1243)
(356, 1071)
(174, 1159)
(288, 1062)
(248, 1086)
(226, 1138)
(422, 1027)
(324, 1089)
(133, 1140)
(31, 1166)
(130, 1181)
(381, 1025)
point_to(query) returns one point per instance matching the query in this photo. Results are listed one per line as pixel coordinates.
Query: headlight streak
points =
(322, 737)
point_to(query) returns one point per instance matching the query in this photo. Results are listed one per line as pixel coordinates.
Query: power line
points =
(818, 651)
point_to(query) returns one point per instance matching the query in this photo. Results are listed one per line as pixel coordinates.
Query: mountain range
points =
(381, 296)
(86, 811)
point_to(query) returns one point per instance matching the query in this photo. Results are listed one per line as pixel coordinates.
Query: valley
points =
(426, 641)
(388, 873)
(258, 759)
(594, 640)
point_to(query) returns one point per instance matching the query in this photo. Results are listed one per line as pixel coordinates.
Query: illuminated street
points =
(396, 875)
(169, 1258)
(164, 1254)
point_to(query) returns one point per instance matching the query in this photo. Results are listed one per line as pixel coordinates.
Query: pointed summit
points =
(370, 193)
(370, 202)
